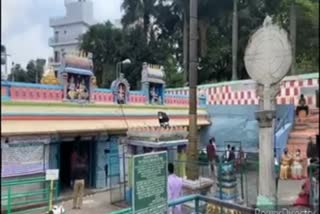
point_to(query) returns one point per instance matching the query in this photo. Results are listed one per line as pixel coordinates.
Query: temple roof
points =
(76, 65)
(51, 118)
(152, 73)
(78, 71)
(158, 133)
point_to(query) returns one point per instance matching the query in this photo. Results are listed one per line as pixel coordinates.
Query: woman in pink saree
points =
(304, 195)
(303, 199)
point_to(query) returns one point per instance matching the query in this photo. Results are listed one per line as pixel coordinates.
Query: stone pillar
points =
(267, 183)
(265, 117)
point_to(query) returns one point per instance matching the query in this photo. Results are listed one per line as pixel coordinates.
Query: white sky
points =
(25, 25)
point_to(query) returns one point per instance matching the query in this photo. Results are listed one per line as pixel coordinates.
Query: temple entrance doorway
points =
(71, 150)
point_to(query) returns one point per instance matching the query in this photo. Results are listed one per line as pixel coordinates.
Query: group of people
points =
(294, 163)
(230, 154)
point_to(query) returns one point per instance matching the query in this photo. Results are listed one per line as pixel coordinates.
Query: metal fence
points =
(246, 177)
(212, 206)
(314, 186)
(27, 195)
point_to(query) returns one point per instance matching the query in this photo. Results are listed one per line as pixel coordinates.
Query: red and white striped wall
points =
(244, 92)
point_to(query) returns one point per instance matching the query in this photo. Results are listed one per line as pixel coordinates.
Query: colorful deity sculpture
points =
(82, 91)
(121, 94)
(154, 96)
(72, 93)
(153, 83)
(78, 79)
(120, 89)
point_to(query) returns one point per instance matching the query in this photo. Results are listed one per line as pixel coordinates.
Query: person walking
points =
(232, 155)
(174, 189)
(211, 154)
(227, 153)
(79, 175)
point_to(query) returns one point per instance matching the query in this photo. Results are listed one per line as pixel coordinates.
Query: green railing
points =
(26, 195)
(213, 206)
(314, 185)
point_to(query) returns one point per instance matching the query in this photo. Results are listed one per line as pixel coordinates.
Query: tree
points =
(17, 74)
(136, 11)
(104, 42)
(306, 15)
(35, 70)
(156, 31)
(3, 55)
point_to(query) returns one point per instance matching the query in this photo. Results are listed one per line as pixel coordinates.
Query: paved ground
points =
(99, 203)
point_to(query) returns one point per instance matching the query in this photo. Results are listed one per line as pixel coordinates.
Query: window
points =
(56, 56)
(62, 52)
(56, 36)
(65, 32)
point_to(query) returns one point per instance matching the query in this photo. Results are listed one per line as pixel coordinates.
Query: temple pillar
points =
(267, 190)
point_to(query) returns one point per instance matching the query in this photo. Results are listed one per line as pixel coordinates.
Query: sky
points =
(25, 25)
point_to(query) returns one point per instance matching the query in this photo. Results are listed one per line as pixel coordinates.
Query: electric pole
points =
(192, 167)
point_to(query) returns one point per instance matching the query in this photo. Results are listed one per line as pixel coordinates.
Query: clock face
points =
(268, 55)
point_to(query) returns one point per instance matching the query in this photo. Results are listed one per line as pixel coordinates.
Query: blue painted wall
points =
(112, 159)
(238, 123)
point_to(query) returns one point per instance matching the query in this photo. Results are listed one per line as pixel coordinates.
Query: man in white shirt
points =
(174, 189)
(227, 153)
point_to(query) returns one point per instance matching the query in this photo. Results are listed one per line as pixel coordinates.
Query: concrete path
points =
(288, 191)
(98, 203)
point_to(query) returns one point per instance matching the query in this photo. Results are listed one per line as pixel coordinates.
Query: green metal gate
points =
(27, 195)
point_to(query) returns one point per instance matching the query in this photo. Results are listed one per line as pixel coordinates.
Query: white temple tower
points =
(68, 29)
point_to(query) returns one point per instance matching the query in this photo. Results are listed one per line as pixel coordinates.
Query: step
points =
(314, 111)
(308, 119)
(304, 129)
(293, 148)
(307, 124)
(304, 134)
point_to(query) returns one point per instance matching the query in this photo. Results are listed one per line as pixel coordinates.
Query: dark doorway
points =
(84, 149)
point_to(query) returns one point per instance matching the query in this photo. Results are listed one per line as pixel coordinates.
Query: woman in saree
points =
(296, 167)
(285, 165)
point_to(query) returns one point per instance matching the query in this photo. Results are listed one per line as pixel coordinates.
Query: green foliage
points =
(153, 33)
(307, 39)
(18, 74)
(32, 74)
(174, 78)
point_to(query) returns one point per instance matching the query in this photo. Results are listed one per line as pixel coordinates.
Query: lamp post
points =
(119, 66)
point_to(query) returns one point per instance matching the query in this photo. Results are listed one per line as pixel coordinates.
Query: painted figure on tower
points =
(120, 89)
(77, 77)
